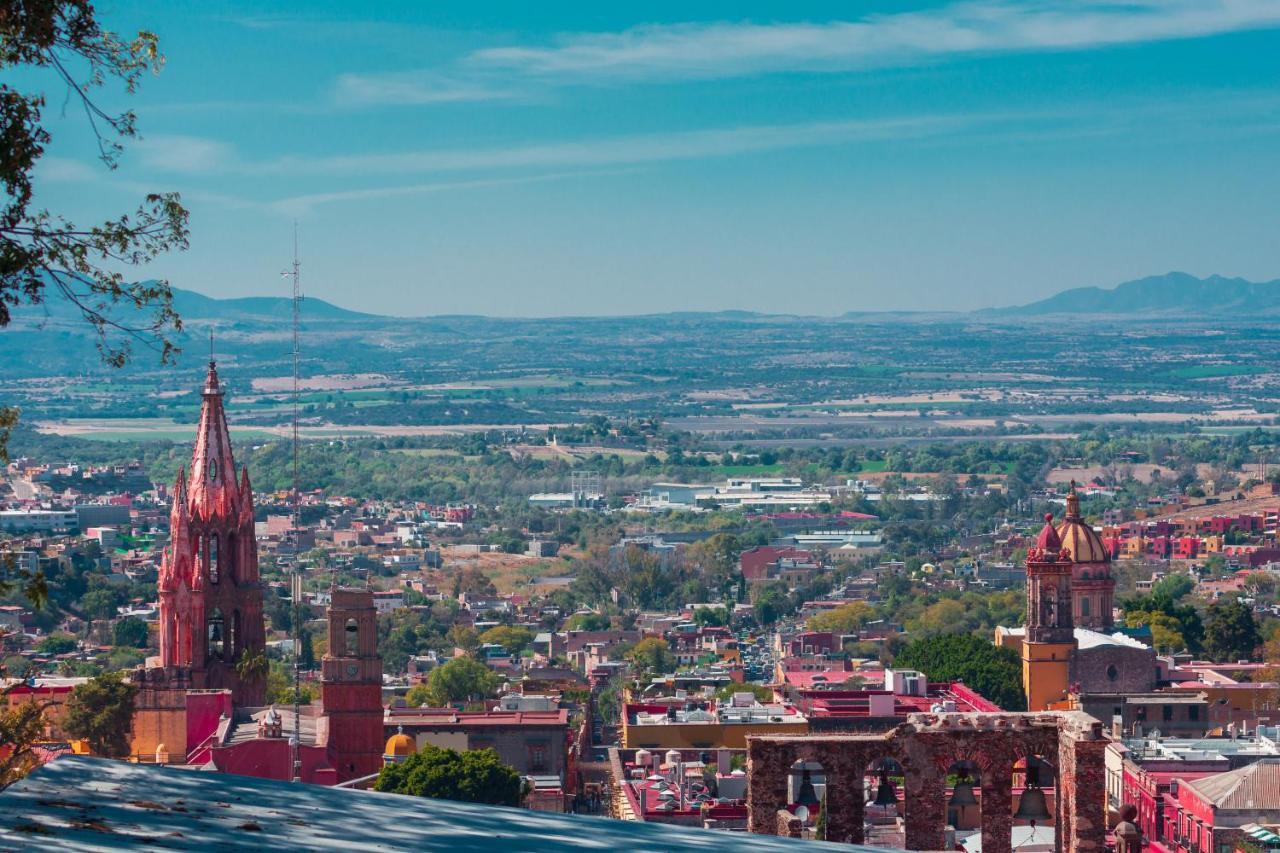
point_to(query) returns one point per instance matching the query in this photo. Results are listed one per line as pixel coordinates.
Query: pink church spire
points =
(209, 588)
(213, 470)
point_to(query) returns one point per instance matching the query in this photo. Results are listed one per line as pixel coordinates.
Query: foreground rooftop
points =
(96, 804)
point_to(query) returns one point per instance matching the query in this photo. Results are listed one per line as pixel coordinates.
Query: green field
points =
(1211, 371)
(748, 470)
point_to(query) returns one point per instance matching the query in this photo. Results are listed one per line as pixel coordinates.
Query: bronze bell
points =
(886, 796)
(1032, 806)
(962, 794)
(807, 796)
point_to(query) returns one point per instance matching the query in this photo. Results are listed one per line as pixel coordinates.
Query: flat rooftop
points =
(96, 804)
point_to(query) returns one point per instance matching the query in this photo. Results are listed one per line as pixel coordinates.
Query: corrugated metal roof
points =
(1255, 786)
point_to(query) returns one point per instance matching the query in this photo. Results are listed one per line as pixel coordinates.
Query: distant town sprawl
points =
(622, 611)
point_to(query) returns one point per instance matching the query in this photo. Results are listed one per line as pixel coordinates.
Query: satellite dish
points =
(802, 812)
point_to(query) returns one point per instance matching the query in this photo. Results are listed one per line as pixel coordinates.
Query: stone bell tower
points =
(351, 685)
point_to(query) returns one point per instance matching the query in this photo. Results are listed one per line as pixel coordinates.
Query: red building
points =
(755, 562)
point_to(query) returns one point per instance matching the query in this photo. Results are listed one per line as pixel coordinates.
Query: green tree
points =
(711, 616)
(652, 655)
(56, 644)
(22, 726)
(1230, 632)
(772, 602)
(587, 622)
(100, 711)
(461, 680)
(764, 694)
(1166, 630)
(513, 638)
(280, 686)
(993, 671)
(103, 598)
(473, 582)
(474, 776)
(130, 631)
(42, 253)
(845, 619)
(418, 695)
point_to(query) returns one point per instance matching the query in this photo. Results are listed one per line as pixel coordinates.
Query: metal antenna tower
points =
(295, 273)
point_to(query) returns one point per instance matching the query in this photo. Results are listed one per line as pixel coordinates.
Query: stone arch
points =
(883, 777)
(1034, 771)
(351, 637)
(964, 781)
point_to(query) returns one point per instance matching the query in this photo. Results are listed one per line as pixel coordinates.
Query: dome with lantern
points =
(1078, 537)
(399, 747)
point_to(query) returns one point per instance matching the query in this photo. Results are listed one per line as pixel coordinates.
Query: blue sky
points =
(558, 158)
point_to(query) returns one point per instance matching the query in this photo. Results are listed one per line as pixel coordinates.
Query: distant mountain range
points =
(1171, 294)
(1159, 296)
(196, 306)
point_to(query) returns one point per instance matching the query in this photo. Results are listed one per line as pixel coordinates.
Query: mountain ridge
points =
(1167, 294)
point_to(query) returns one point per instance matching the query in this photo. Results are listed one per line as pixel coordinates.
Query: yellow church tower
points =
(1050, 642)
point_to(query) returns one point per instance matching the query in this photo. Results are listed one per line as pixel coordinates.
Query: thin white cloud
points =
(302, 204)
(412, 88)
(714, 50)
(62, 169)
(634, 149)
(186, 154)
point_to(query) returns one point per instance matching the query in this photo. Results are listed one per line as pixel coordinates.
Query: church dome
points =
(1079, 538)
(399, 747)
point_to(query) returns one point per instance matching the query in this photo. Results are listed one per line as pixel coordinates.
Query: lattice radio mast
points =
(295, 273)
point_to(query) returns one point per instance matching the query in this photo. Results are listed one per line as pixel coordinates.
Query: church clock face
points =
(353, 669)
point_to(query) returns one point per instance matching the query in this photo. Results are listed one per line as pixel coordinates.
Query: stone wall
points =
(926, 747)
(1114, 669)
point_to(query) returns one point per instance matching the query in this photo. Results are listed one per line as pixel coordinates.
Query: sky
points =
(519, 159)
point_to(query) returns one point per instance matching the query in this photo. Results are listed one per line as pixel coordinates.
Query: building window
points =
(214, 558)
(1112, 672)
(1193, 713)
(1167, 712)
(537, 757)
(1084, 607)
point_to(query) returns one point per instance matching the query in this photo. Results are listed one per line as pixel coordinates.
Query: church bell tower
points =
(1050, 642)
(209, 589)
(351, 685)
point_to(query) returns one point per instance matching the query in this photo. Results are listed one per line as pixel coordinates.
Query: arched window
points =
(217, 645)
(1084, 607)
(214, 558)
(352, 640)
(233, 635)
